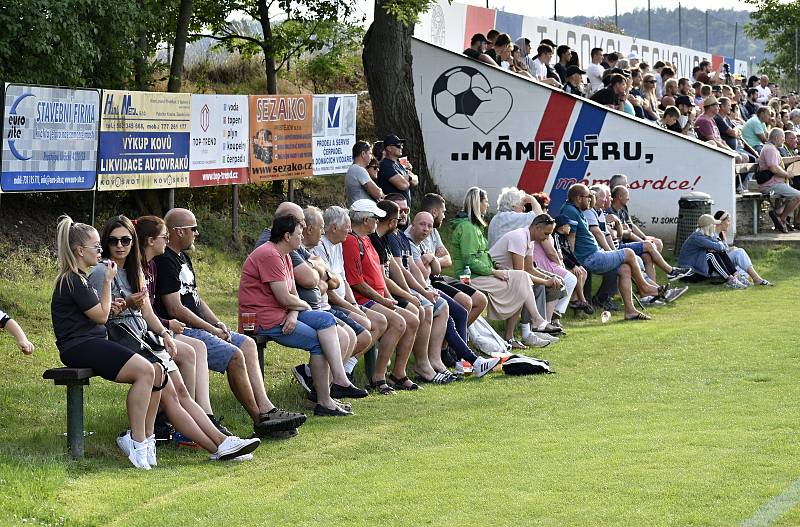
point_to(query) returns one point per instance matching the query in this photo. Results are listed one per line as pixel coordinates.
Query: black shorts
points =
(106, 358)
(451, 287)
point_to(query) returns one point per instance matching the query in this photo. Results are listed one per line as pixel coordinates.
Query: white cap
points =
(633, 56)
(367, 205)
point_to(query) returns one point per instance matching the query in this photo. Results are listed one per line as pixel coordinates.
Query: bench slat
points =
(68, 374)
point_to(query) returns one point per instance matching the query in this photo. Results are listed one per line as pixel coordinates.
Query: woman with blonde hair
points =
(649, 97)
(508, 290)
(79, 314)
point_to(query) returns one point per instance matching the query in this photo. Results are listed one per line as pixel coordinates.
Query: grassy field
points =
(685, 420)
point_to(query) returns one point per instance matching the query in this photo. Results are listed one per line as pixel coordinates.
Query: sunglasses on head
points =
(124, 241)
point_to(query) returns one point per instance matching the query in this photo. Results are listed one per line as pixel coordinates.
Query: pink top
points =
(544, 263)
(264, 265)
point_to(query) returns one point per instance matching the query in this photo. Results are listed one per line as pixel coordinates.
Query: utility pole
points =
(680, 26)
(555, 9)
(735, 36)
(649, 35)
(616, 15)
(796, 51)
(706, 30)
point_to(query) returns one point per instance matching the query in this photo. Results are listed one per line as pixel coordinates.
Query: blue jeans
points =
(304, 335)
(220, 351)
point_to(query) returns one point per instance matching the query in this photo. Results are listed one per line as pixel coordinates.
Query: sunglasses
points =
(372, 166)
(192, 227)
(124, 241)
(97, 247)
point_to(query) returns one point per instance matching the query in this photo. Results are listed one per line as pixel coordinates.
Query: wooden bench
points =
(74, 379)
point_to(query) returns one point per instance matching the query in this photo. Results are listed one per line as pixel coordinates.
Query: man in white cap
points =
(633, 59)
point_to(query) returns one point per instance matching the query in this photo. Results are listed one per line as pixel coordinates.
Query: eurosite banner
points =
(486, 127)
(280, 137)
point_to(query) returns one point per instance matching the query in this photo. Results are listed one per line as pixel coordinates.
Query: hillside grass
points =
(689, 419)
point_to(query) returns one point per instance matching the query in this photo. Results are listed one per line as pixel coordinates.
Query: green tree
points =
(776, 23)
(300, 32)
(337, 67)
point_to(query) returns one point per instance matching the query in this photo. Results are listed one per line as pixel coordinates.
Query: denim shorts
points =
(602, 262)
(304, 335)
(343, 315)
(220, 351)
(636, 247)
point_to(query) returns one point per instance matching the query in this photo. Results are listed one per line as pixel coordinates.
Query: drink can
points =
(465, 279)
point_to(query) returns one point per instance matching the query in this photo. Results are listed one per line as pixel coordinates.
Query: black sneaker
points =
(162, 429)
(218, 424)
(280, 434)
(303, 379)
(277, 420)
(347, 392)
(679, 272)
(338, 411)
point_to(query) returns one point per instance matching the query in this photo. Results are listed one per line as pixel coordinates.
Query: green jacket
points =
(469, 247)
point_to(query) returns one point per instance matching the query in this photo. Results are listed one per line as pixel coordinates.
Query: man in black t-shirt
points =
(393, 177)
(613, 93)
(477, 49)
(230, 352)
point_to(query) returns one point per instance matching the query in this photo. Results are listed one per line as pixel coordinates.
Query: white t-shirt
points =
(539, 70)
(764, 94)
(517, 241)
(332, 255)
(594, 72)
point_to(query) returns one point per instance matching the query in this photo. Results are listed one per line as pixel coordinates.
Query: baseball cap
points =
(393, 140)
(478, 37)
(684, 99)
(633, 56)
(563, 219)
(707, 220)
(367, 205)
(572, 70)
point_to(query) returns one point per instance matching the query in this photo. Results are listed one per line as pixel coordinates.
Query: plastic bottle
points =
(466, 276)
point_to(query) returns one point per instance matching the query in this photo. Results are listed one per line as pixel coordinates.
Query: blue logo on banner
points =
(334, 111)
(15, 132)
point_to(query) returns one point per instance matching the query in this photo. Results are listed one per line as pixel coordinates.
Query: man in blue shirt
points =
(597, 261)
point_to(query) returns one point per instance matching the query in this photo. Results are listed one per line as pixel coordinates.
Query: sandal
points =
(400, 384)
(639, 316)
(382, 387)
(777, 222)
(438, 378)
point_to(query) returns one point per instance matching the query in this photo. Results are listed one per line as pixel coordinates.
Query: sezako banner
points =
(49, 138)
(334, 133)
(486, 127)
(219, 149)
(280, 137)
(144, 140)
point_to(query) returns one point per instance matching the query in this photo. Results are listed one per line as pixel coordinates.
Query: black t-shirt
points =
(313, 296)
(381, 245)
(176, 275)
(492, 53)
(472, 53)
(566, 253)
(561, 70)
(386, 170)
(399, 246)
(723, 124)
(675, 127)
(605, 96)
(71, 297)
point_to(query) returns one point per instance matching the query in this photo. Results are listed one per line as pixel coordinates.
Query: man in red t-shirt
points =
(364, 273)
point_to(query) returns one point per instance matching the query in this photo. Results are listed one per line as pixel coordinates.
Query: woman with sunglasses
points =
(131, 309)
(79, 313)
(192, 358)
(738, 256)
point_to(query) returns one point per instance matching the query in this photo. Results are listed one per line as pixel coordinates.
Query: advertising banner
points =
(485, 127)
(219, 148)
(280, 137)
(49, 138)
(452, 25)
(144, 140)
(334, 133)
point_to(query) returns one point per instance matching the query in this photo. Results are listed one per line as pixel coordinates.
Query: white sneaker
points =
(136, 452)
(733, 283)
(534, 341)
(151, 450)
(233, 447)
(245, 457)
(459, 368)
(548, 337)
(483, 366)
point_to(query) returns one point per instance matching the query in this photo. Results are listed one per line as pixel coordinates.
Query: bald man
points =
(228, 352)
(284, 209)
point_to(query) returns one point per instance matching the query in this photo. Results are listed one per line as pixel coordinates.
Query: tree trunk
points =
(140, 78)
(269, 56)
(387, 67)
(176, 65)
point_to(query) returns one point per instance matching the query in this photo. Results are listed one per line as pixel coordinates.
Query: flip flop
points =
(639, 316)
(438, 378)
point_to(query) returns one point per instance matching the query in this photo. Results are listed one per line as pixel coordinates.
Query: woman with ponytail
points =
(79, 314)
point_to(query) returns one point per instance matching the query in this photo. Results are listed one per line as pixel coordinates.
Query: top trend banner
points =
(49, 138)
(144, 140)
(219, 150)
(280, 137)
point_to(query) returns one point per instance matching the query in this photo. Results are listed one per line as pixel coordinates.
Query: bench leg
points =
(756, 214)
(369, 361)
(75, 420)
(260, 349)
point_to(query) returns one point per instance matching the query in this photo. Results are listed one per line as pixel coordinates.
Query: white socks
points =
(526, 330)
(350, 364)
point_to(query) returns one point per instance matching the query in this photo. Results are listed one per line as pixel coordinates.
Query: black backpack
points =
(522, 365)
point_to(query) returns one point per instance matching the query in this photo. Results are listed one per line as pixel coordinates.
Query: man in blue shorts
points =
(229, 352)
(598, 261)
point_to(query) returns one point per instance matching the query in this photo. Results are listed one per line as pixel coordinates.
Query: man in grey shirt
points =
(357, 182)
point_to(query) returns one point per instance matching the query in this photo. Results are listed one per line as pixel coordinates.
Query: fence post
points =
(235, 213)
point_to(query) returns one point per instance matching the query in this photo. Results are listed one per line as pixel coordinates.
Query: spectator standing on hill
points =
(563, 54)
(177, 297)
(16, 331)
(357, 182)
(595, 71)
(524, 46)
(477, 49)
(764, 91)
(500, 46)
(393, 177)
(540, 66)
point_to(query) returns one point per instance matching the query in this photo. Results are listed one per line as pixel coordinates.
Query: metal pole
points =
(235, 213)
(171, 199)
(735, 36)
(75, 420)
(94, 197)
(555, 10)
(649, 35)
(796, 70)
(680, 27)
(706, 30)
(290, 190)
(616, 15)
